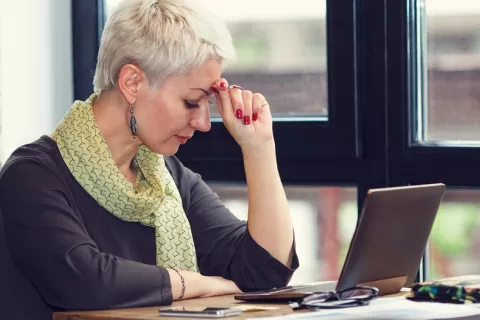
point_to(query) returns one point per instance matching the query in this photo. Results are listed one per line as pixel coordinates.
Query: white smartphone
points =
(199, 312)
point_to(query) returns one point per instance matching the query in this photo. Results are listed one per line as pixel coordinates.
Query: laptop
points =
(387, 245)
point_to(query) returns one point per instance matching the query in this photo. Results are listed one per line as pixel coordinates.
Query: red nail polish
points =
(223, 85)
(239, 113)
(246, 120)
(255, 116)
(214, 89)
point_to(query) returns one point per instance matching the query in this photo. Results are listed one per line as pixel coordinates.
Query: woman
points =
(102, 215)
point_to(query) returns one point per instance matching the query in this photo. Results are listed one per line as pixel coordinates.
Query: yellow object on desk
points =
(253, 308)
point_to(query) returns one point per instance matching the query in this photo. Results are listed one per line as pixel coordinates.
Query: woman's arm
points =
(269, 219)
(248, 119)
(51, 246)
(197, 285)
(223, 243)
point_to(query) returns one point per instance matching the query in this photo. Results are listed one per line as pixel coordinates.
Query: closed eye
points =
(190, 105)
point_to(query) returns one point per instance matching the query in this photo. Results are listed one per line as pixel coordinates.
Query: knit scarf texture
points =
(153, 201)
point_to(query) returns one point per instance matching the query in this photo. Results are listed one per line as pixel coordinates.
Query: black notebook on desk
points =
(455, 290)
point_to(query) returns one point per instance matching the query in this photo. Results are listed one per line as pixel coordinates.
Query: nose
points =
(201, 120)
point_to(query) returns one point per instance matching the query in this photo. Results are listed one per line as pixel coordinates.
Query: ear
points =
(130, 78)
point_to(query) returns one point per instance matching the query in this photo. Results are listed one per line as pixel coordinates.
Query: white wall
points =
(35, 69)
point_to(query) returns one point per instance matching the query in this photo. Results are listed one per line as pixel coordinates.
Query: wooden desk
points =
(152, 312)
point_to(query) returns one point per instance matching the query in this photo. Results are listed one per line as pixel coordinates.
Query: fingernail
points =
(214, 89)
(255, 116)
(246, 120)
(223, 85)
(239, 113)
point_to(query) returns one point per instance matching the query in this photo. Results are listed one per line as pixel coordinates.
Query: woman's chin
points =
(165, 149)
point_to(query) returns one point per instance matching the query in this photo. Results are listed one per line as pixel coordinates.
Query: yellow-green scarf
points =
(154, 201)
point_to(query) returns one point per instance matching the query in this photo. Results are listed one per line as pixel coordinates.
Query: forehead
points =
(202, 76)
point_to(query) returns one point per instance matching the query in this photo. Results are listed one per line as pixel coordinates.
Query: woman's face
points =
(180, 106)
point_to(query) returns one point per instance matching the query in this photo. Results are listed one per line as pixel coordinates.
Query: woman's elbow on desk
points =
(254, 268)
(83, 297)
(91, 280)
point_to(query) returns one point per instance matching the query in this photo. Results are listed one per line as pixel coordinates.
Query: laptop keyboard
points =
(307, 288)
(319, 287)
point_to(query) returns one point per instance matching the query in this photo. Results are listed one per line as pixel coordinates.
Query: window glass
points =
(452, 29)
(455, 239)
(324, 220)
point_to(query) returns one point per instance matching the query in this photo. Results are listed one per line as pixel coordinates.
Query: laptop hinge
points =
(387, 286)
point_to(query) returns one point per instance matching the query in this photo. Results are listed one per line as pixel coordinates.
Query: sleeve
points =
(226, 248)
(50, 245)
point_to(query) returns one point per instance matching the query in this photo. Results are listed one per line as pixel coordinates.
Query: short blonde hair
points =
(162, 37)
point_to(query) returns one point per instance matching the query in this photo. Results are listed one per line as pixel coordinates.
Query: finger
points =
(220, 84)
(247, 97)
(220, 87)
(258, 102)
(238, 103)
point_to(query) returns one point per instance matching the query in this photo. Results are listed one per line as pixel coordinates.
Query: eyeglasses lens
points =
(357, 294)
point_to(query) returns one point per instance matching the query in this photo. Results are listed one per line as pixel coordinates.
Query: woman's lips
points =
(182, 139)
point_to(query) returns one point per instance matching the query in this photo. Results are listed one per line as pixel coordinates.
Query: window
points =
(433, 119)
(452, 111)
(455, 240)
(432, 129)
(323, 218)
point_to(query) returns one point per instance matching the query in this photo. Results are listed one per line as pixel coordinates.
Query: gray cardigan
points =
(79, 256)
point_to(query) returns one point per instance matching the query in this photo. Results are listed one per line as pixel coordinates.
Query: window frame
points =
(87, 19)
(413, 162)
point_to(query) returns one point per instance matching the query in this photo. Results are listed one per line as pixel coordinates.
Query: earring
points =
(133, 122)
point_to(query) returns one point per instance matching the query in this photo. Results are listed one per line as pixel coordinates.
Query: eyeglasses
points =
(352, 297)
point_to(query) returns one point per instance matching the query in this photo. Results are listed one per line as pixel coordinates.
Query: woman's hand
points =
(197, 285)
(217, 286)
(246, 115)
